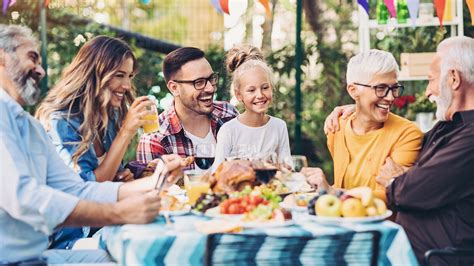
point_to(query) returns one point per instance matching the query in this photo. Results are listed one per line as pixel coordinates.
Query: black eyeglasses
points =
(200, 83)
(382, 90)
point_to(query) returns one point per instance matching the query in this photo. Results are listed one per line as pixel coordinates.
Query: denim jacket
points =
(65, 135)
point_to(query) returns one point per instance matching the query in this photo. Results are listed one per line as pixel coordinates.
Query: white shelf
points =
(392, 23)
(366, 25)
(406, 78)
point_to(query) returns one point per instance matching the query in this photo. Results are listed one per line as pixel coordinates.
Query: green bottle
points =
(381, 12)
(402, 11)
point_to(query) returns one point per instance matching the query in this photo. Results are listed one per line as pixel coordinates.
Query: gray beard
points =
(444, 100)
(29, 92)
(28, 88)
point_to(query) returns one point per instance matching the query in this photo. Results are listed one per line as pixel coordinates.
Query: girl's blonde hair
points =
(82, 91)
(241, 58)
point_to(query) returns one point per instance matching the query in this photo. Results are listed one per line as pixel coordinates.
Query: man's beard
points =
(27, 82)
(444, 100)
(195, 105)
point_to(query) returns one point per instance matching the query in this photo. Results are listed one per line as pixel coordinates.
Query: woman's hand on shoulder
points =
(331, 124)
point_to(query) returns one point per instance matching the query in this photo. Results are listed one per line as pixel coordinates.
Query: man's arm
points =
(438, 181)
(331, 124)
(24, 195)
(133, 210)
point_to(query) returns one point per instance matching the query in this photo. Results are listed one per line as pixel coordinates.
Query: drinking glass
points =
(299, 161)
(242, 152)
(155, 126)
(204, 155)
(265, 166)
(195, 186)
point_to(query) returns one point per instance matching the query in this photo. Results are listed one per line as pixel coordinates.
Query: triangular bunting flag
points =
(470, 5)
(217, 5)
(439, 6)
(266, 5)
(390, 7)
(413, 6)
(364, 4)
(224, 6)
(5, 6)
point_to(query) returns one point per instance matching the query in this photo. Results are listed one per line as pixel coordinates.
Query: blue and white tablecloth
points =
(181, 244)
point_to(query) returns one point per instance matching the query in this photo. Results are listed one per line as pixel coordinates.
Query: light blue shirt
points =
(38, 191)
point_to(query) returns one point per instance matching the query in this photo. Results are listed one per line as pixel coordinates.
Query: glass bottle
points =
(402, 11)
(381, 12)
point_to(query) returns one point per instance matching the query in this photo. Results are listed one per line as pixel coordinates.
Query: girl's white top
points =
(271, 137)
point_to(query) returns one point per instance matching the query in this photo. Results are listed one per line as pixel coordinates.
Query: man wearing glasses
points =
(194, 117)
(372, 133)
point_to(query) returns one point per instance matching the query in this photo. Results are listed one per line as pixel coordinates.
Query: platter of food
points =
(297, 202)
(357, 205)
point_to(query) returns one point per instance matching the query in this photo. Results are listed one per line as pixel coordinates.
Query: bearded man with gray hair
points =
(39, 192)
(435, 198)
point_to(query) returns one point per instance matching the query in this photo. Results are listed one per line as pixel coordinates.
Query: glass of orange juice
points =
(155, 126)
(195, 186)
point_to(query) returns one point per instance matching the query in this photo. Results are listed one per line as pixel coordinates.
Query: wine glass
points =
(242, 152)
(265, 166)
(299, 162)
(204, 155)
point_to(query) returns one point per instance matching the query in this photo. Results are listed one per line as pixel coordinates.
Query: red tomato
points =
(249, 208)
(234, 209)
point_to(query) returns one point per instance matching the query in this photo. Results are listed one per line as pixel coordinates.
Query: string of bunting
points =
(413, 6)
(222, 6)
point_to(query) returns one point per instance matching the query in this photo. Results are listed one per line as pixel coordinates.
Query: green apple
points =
(328, 205)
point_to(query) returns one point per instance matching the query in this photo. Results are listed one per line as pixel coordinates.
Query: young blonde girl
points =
(254, 128)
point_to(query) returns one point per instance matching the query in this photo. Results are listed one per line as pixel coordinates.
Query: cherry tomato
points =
(234, 209)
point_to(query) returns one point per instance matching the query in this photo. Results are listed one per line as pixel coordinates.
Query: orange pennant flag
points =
(266, 5)
(439, 6)
(470, 5)
(225, 6)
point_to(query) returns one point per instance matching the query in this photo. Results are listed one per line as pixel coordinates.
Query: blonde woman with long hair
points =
(91, 116)
(87, 114)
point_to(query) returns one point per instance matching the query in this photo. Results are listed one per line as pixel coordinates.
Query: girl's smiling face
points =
(255, 90)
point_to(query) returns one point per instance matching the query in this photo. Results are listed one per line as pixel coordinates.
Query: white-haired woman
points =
(371, 134)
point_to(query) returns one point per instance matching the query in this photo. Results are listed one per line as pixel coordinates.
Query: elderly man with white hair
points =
(435, 198)
(372, 133)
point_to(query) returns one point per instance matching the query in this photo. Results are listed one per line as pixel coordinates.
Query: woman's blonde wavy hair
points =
(82, 90)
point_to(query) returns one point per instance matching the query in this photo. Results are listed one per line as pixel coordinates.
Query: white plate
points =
(175, 213)
(293, 208)
(341, 220)
(215, 213)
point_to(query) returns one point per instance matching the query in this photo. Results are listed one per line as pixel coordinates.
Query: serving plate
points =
(341, 220)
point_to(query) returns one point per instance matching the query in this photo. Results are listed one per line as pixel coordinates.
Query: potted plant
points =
(424, 112)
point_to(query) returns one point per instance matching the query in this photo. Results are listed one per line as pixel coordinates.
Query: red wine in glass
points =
(204, 162)
(265, 174)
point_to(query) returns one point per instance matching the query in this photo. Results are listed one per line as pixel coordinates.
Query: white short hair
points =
(12, 36)
(363, 66)
(458, 53)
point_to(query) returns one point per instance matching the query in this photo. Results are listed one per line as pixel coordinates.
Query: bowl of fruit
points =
(357, 205)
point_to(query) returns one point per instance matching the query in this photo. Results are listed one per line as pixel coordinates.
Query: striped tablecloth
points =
(180, 244)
